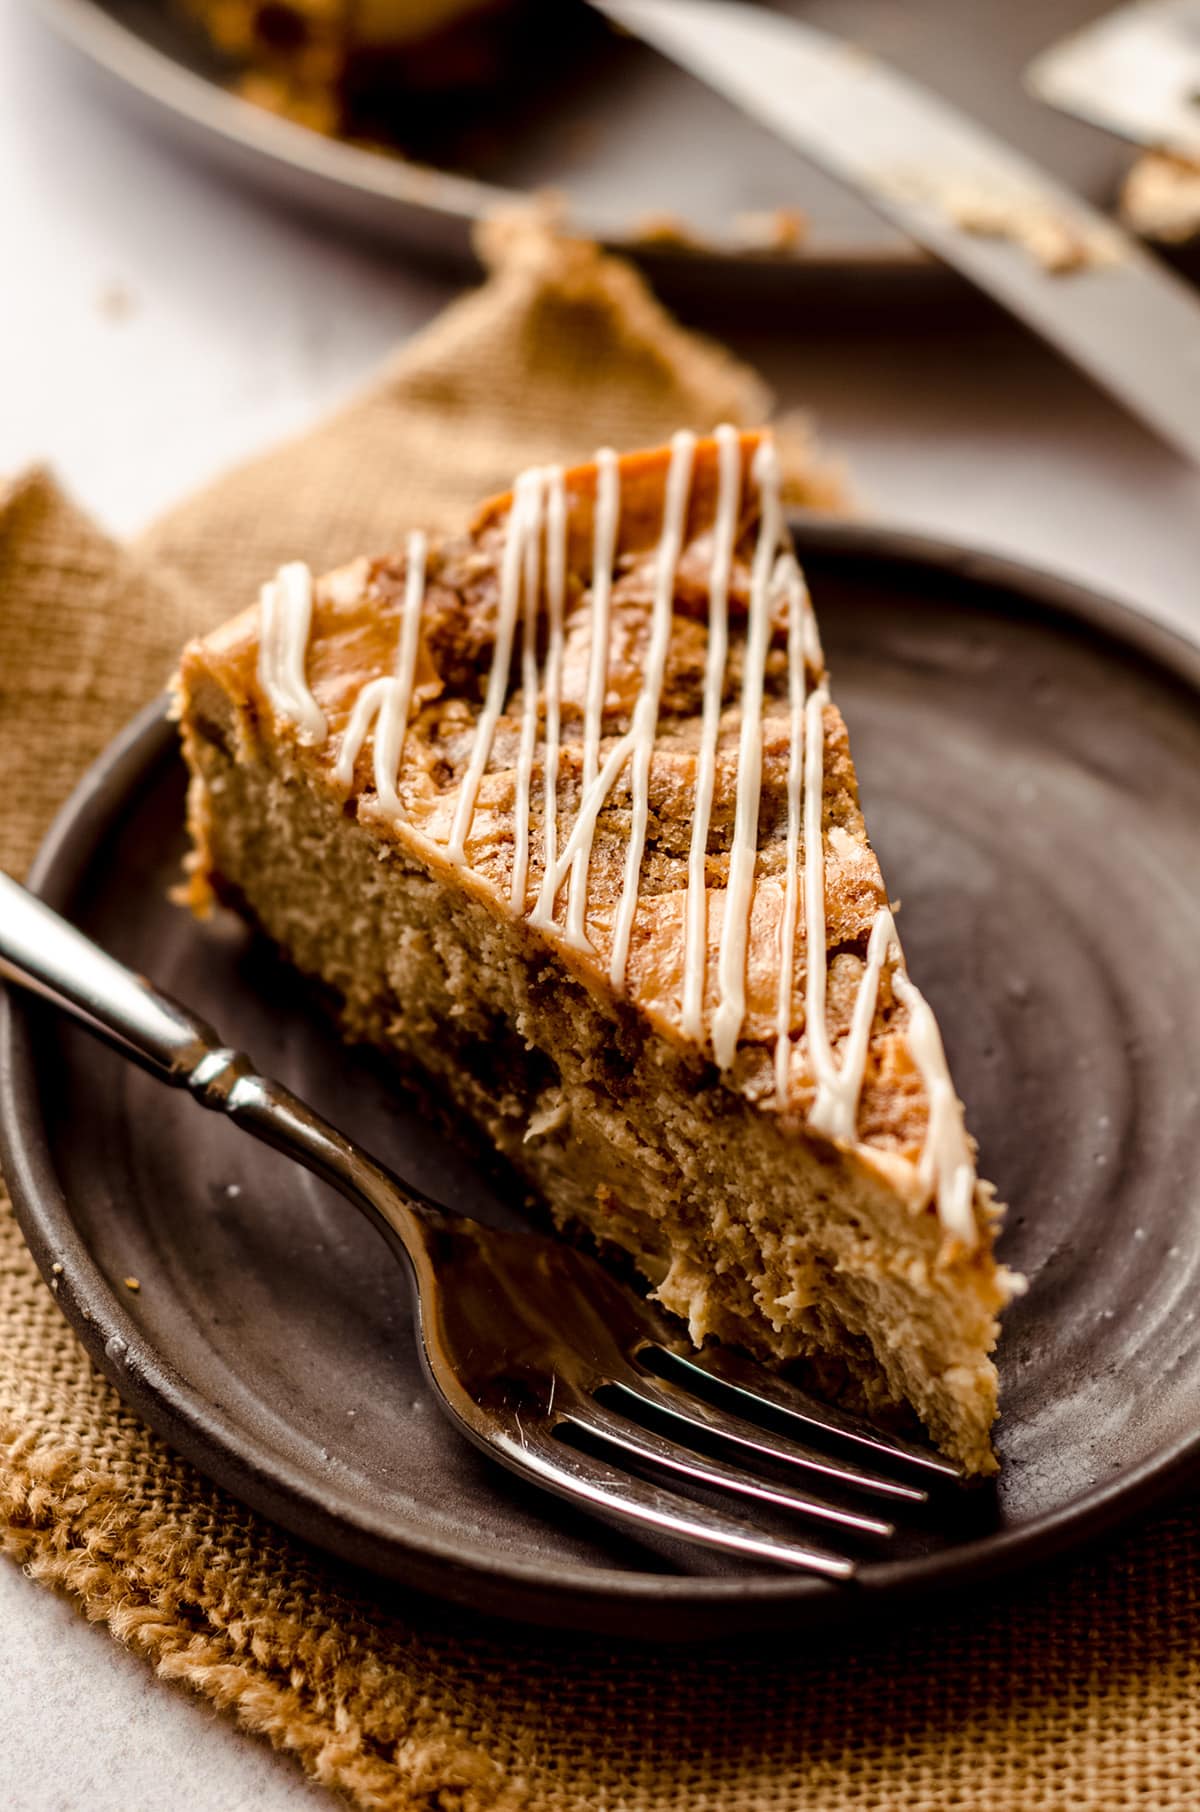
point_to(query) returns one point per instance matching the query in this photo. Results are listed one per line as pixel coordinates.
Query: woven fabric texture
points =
(1077, 1691)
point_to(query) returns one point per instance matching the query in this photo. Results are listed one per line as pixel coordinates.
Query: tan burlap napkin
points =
(1076, 1691)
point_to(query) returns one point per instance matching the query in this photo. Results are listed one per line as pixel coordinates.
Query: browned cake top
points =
(525, 708)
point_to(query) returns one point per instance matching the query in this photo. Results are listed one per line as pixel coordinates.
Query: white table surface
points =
(156, 324)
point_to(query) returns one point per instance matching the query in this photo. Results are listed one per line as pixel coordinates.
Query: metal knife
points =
(1120, 315)
(1136, 71)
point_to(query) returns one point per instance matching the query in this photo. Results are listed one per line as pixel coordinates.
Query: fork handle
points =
(41, 951)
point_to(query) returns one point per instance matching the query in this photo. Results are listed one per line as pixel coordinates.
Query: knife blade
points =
(1119, 315)
(1136, 71)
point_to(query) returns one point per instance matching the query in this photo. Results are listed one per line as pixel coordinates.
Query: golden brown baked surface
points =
(617, 1110)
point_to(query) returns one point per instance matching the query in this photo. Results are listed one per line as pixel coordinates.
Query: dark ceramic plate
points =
(621, 132)
(1030, 763)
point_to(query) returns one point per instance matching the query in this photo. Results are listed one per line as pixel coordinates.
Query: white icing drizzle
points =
(286, 603)
(604, 558)
(946, 1170)
(556, 594)
(729, 495)
(393, 725)
(591, 805)
(814, 883)
(835, 1111)
(367, 707)
(529, 708)
(645, 711)
(739, 893)
(799, 618)
(387, 702)
(947, 1166)
(524, 516)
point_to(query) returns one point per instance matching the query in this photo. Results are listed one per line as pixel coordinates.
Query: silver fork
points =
(535, 1352)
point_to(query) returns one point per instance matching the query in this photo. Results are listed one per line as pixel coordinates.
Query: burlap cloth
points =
(1080, 1690)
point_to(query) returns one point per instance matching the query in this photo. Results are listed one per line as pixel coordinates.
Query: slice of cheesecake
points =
(562, 812)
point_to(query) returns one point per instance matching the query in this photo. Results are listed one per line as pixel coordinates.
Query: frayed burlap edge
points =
(300, 1684)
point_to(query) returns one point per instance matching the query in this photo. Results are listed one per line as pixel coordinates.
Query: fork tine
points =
(652, 1449)
(751, 1389)
(584, 1479)
(690, 1415)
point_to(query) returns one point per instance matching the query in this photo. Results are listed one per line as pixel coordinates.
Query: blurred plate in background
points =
(646, 157)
